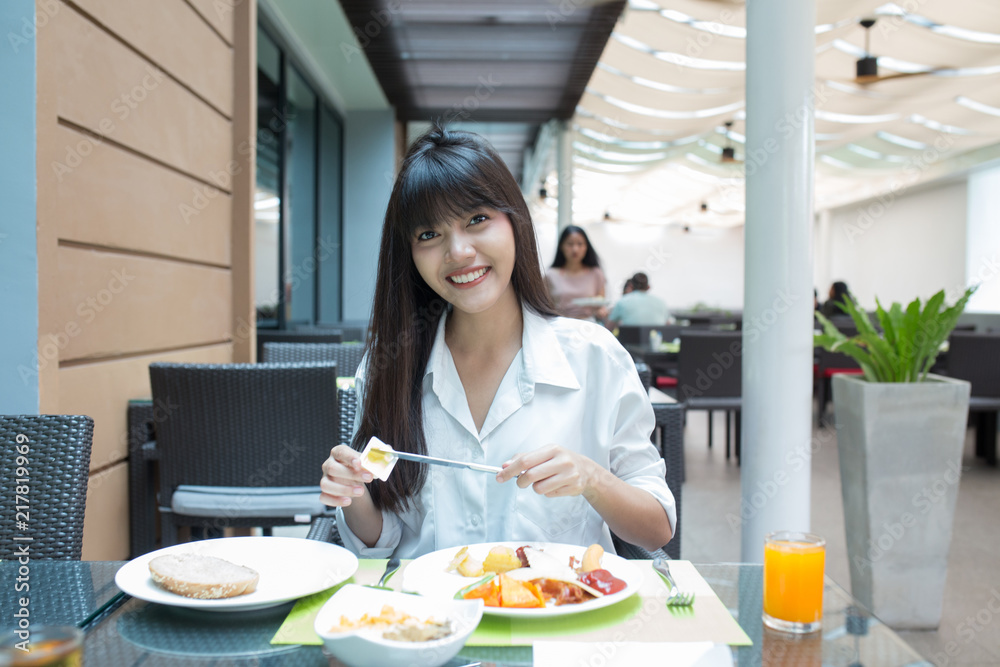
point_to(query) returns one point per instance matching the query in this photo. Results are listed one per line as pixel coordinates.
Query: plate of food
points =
(525, 579)
(236, 573)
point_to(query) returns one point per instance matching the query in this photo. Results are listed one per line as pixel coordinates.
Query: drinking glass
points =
(793, 581)
(48, 646)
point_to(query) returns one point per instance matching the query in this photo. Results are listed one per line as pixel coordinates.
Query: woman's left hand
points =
(552, 471)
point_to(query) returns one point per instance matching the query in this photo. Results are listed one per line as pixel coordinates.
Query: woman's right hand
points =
(343, 477)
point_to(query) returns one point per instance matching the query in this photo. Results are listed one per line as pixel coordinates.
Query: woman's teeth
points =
(467, 277)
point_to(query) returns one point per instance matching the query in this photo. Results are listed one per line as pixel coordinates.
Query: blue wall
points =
(369, 170)
(18, 243)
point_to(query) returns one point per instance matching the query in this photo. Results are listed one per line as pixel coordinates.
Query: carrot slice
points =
(489, 592)
(519, 594)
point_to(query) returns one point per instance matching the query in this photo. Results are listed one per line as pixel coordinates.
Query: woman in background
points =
(576, 276)
(838, 294)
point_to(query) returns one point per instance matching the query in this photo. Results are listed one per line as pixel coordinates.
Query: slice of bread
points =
(202, 577)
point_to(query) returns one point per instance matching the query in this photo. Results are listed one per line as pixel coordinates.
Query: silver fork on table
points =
(675, 597)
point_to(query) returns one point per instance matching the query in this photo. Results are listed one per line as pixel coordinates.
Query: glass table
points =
(133, 632)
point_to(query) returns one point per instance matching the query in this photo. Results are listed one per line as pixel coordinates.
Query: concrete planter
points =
(900, 449)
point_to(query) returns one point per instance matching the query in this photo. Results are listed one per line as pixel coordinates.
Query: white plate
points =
(427, 576)
(289, 567)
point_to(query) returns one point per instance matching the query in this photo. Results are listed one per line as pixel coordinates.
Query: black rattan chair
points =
(670, 428)
(242, 444)
(710, 377)
(296, 336)
(44, 494)
(976, 357)
(347, 355)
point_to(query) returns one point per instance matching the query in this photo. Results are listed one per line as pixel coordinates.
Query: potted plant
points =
(900, 435)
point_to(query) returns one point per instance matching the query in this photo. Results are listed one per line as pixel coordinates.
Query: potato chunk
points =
(501, 559)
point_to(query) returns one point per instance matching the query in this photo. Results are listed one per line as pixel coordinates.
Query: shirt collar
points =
(543, 359)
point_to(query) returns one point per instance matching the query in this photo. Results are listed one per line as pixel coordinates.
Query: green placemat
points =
(502, 631)
(298, 625)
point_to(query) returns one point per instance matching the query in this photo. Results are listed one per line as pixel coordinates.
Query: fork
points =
(675, 597)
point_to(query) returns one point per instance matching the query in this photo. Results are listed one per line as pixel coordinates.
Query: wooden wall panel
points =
(117, 199)
(103, 389)
(108, 89)
(112, 304)
(105, 525)
(177, 39)
(219, 14)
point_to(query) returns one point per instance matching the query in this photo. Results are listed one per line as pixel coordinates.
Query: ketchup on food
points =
(603, 581)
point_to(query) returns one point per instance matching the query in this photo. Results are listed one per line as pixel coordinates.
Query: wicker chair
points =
(976, 357)
(347, 355)
(705, 381)
(296, 336)
(56, 451)
(242, 444)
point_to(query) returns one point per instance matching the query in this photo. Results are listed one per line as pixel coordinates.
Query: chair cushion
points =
(248, 501)
(713, 403)
(983, 404)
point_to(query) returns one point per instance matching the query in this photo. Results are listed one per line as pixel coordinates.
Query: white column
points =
(777, 318)
(564, 165)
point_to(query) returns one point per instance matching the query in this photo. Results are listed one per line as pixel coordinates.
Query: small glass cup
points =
(48, 646)
(793, 581)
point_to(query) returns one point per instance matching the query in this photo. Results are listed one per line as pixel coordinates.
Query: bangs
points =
(440, 187)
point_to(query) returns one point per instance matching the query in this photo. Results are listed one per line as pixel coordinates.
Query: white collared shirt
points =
(571, 384)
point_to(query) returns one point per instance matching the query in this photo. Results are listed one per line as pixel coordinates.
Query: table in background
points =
(139, 633)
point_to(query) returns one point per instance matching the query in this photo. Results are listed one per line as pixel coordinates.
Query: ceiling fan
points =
(866, 72)
(728, 151)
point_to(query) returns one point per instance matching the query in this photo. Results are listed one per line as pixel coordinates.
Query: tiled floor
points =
(969, 633)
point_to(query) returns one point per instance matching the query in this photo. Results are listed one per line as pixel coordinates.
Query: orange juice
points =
(793, 581)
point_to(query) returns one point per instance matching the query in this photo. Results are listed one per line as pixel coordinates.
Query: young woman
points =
(576, 275)
(468, 361)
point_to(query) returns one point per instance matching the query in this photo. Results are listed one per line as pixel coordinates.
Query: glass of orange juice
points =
(793, 581)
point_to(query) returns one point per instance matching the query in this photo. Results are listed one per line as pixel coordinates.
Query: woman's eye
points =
(476, 219)
(426, 236)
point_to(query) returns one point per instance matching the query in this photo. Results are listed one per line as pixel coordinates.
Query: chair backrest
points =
(639, 335)
(826, 360)
(347, 355)
(46, 461)
(710, 364)
(297, 336)
(976, 357)
(645, 373)
(265, 425)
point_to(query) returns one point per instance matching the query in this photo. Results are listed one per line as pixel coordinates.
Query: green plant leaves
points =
(909, 342)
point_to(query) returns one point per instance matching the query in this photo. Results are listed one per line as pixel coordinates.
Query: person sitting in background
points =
(628, 287)
(838, 294)
(576, 277)
(639, 307)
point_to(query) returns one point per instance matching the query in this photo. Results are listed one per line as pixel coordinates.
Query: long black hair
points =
(589, 259)
(840, 292)
(445, 173)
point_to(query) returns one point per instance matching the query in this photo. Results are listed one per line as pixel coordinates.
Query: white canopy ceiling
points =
(650, 128)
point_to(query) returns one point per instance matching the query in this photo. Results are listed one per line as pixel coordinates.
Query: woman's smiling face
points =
(574, 247)
(468, 260)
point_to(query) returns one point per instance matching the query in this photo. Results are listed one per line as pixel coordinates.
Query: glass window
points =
(300, 232)
(267, 199)
(330, 208)
(298, 202)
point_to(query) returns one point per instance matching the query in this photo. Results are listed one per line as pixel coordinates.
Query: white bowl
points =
(367, 648)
